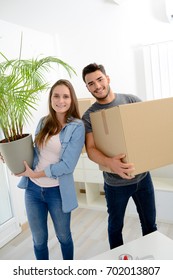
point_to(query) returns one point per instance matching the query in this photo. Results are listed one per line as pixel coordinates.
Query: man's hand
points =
(117, 166)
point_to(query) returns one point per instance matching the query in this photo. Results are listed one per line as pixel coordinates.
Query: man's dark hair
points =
(92, 68)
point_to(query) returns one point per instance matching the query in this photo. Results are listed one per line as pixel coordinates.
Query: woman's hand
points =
(30, 173)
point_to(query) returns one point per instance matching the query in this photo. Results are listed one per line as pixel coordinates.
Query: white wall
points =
(92, 31)
(99, 31)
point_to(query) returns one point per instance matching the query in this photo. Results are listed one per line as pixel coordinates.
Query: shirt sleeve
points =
(87, 121)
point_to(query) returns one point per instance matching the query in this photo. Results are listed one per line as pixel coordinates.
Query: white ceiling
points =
(50, 16)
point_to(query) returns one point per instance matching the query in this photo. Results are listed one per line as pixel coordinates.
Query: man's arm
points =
(115, 163)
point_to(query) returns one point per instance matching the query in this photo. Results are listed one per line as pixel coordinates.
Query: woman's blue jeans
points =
(117, 198)
(39, 201)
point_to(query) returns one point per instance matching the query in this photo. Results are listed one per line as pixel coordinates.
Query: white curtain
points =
(158, 66)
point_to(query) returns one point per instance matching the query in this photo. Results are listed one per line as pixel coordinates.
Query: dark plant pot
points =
(15, 152)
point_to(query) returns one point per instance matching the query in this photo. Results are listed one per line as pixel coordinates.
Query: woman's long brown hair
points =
(51, 125)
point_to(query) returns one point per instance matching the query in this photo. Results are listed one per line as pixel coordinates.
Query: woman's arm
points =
(68, 160)
(31, 173)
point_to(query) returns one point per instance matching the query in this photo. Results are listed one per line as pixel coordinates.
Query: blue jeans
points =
(117, 198)
(39, 201)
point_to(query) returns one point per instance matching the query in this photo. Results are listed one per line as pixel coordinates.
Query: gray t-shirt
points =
(110, 178)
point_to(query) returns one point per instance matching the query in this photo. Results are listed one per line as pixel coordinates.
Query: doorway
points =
(9, 226)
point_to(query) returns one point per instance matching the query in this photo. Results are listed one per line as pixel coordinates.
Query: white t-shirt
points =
(49, 154)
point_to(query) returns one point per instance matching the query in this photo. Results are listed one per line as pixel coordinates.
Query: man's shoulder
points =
(122, 98)
(91, 109)
(128, 98)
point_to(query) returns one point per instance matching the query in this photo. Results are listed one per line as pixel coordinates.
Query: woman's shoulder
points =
(75, 122)
(75, 125)
(40, 124)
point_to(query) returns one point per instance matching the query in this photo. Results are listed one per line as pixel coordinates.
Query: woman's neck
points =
(62, 120)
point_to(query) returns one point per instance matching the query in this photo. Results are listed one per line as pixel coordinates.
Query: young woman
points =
(49, 184)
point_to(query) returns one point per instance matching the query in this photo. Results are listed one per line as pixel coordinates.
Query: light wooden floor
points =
(89, 229)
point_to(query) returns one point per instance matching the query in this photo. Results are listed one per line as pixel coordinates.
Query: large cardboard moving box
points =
(142, 131)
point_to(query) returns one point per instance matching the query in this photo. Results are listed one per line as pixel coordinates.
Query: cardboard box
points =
(84, 104)
(143, 131)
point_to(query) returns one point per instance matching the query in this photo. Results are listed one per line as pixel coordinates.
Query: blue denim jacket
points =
(72, 138)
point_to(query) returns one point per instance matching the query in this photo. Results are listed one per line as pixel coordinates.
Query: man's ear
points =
(87, 87)
(108, 78)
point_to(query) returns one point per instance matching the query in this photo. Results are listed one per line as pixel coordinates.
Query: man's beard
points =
(104, 97)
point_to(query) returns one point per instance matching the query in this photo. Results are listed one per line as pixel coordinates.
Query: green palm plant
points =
(21, 82)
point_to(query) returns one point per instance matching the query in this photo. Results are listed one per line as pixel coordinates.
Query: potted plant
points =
(21, 82)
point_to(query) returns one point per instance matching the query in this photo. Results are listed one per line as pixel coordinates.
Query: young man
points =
(119, 186)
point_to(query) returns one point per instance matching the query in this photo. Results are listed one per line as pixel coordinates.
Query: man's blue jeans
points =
(39, 201)
(117, 198)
